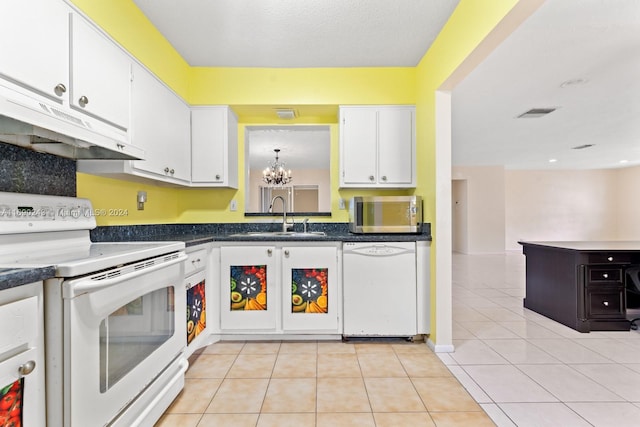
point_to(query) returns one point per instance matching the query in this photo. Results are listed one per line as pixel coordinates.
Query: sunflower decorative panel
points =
(309, 290)
(248, 287)
(11, 404)
(196, 311)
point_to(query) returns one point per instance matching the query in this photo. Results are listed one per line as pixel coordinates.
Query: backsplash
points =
(27, 171)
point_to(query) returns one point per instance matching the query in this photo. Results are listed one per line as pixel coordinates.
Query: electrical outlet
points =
(341, 204)
(233, 206)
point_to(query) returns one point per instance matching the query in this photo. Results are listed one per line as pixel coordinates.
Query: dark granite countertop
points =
(13, 277)
(195, 234)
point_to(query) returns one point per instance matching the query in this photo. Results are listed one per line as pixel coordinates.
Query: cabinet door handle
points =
(286, 252)
(166, 170)
(171, 171)
(384, 177)
(27, 368)
(217, 176)
(83, 101)
(60, 89)
(371, 178)
(269, 252)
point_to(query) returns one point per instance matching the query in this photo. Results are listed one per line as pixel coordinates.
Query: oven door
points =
(123, 328)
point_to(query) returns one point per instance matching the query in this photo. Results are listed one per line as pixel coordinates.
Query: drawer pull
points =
(27, 368)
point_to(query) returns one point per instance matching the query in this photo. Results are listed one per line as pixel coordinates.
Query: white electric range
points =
(115, 328)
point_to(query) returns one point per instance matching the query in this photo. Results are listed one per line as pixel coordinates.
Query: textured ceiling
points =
(299, 33)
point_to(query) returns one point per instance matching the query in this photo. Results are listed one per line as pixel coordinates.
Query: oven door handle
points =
(74, 288)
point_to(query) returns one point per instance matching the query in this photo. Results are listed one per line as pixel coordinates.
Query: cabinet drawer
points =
(604, 275)
(609, 258)
(606, 303)
(196, 261)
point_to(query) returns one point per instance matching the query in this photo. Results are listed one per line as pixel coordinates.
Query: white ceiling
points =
(593, 41)
(299, 33)
(597, 41)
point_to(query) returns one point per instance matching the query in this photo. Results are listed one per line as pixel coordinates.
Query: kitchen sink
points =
(279, 234)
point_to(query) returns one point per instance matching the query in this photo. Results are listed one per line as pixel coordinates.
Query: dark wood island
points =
(580, 284)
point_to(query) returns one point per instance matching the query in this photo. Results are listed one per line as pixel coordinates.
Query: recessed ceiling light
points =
(536, 112)
(553, 160)
(624, 161)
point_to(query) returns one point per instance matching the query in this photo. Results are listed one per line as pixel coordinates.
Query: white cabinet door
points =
(34, 45)
(310, 289)
(396, 146)
(214, 147)
(377, 147)
(358, 139)
(161, 127)
(101, 75)
(249, 298)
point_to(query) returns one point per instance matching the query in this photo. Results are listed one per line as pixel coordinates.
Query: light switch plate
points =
(233, 206)
(341, 204)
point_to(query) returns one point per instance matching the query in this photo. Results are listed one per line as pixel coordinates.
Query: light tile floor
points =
(526, 370)
(333, 384)
(523, 369)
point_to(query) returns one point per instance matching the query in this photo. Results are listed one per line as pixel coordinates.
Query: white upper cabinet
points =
(101, 74)
(214, 147)
(377, 147)
(34, 45)
(161, 127)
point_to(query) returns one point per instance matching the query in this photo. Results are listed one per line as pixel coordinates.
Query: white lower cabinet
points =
(248, 298)
(22, 370)
(280, 289)
(310, 289)
(200, 304)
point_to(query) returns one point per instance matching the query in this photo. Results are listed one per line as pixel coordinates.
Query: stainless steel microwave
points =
(385, 214)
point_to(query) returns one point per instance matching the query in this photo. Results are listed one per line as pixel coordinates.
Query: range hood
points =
(51, 128)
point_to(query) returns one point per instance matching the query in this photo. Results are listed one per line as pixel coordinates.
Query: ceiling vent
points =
(286, 113)
(536, 112)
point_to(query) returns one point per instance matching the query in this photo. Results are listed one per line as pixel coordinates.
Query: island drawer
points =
(609, 258)
(606, 303)
(600, 275)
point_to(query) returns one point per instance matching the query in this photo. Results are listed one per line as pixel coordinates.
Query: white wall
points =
(564, 205)
(628, 203)
(485, 205)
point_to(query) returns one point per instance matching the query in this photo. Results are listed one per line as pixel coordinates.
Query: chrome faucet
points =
(284, 211)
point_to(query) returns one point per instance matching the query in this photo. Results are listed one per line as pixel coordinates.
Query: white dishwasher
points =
(379, 286)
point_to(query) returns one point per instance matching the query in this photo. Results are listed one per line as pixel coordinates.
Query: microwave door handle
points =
(87, 285)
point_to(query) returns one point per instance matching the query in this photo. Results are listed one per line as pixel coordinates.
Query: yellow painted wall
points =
(231, 86)
(127, 25)
(468, 26)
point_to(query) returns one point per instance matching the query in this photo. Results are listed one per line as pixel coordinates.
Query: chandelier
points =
(276, 174)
